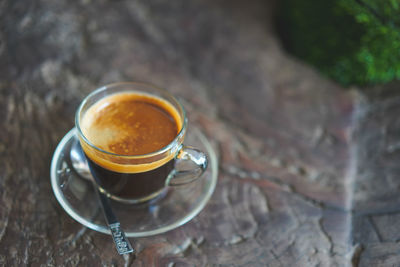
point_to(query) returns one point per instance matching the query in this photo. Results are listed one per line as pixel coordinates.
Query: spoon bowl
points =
(79, 161)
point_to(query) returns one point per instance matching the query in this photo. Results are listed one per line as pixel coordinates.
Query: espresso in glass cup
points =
(132, 136)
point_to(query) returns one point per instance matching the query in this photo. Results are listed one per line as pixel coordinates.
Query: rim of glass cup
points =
(133, 84)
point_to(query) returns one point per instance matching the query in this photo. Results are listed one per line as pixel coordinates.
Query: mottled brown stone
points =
(308, 170)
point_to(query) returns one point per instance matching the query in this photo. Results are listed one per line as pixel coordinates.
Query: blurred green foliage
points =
(355, 42)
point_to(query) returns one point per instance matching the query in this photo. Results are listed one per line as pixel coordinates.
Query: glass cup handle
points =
(190, 164)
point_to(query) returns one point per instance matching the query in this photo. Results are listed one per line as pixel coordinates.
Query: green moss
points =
(351, 41)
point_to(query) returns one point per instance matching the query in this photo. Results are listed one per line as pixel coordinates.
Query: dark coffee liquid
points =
(129, 124)
(131, 185)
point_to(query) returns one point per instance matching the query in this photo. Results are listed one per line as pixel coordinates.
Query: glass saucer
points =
(171, 209)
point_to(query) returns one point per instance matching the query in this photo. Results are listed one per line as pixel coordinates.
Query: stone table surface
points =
(308, 171)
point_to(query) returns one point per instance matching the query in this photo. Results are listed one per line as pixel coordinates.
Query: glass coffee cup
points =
(132, 136)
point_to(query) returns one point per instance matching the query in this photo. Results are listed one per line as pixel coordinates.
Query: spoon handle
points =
(121, 242)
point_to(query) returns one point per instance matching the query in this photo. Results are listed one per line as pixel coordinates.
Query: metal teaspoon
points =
(82, 167)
